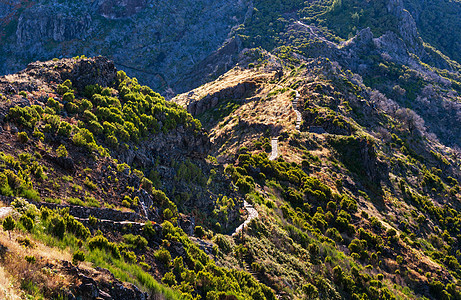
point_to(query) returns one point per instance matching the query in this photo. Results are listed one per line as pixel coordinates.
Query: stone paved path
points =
(275, 148)
(252, 214)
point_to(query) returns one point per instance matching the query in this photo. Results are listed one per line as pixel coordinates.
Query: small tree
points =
(27, 222)
(199, 231)
(310, 291)
(8, 225)
(23, 137)
(77, 257)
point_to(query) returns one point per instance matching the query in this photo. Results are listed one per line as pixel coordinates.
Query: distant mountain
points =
(159, 42)
(174, 47)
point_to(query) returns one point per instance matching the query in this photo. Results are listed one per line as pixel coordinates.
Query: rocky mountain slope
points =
(362, 201)
(110, 173)
(329, 129)
(159, 42)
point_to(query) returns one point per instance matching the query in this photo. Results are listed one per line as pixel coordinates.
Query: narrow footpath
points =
(275, 148)
(252, 214)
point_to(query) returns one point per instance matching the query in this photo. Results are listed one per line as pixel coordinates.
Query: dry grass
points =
(41, 277)
(7, 290)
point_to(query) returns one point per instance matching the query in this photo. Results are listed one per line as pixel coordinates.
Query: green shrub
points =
(64, 129)
(167, 214)
(25, 116)
(23, 137)
(92, 202)
(9, 224)
(25, 242)
(75, 201)
(135, 241)
(30, 259)
(169, 279)
(27, 222)
(223, 243)
(130, 256)
(77, 257)
(163, 256)
(76, 227)
(62, 151)
(310, 291)
(90, 184)
(101, 242)
(57, 226)
(92, 220)
(149, 231)
(199, 231)
(68, 97)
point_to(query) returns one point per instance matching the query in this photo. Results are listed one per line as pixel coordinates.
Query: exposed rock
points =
(9, 89)
(3, 250)
(165, 44)
(187, 224)
(41, 24)
(100, 284)
(98, 70)
(66, 163)
(116, 9)
(238, 92)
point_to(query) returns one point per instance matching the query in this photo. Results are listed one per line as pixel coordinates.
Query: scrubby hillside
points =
(332, 137)
(109, 172)
(362, 202)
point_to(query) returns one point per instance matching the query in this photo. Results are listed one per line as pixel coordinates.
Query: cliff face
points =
(39, 26)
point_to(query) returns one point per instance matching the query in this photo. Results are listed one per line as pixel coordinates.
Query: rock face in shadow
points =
(44, 25)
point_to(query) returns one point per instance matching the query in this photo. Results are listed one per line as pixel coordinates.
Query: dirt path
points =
(252, 214)
(112, 221)
(298, 113)
(312, 32)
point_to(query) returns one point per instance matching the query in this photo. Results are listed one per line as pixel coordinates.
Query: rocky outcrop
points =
(239, 91)
(175, 143)
(99, 283)
(407, 25)
(98, 70)
(81, 72)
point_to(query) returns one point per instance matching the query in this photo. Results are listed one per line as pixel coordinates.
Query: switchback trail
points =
(312, 32)
(275, 140)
